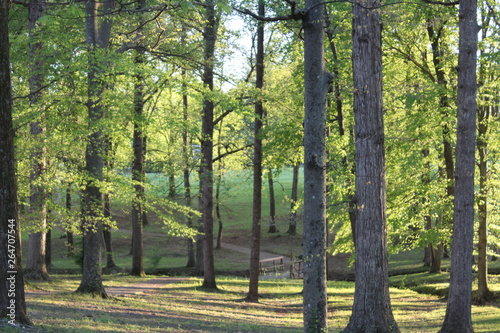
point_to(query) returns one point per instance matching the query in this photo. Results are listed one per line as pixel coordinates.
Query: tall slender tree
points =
(97, 39)
(138, 173)
(253, 292)
(12, 301)
(458, 309)
(36, 262)
(207, 133)
(371, 310)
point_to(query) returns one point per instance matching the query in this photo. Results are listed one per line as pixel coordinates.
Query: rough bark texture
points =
(483, 292)
(138, 174)
(36, 264)
(253, 291)
(92, 199)
(316, 81)
(292, 224)
(108, 244)
(371, 310)
(458, 310)
(272, 204)
(12, 302)
(186, 153)
(207, 133)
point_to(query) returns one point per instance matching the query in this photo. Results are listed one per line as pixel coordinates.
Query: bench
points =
(271, 264)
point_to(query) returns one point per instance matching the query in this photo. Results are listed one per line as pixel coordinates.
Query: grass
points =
(417, 298)
(186, 307)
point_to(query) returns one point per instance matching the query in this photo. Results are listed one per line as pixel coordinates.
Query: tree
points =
(316, 83)
(253, 292)
(458, 309)
(139, 145)
(207, 133)
(12, 301)
(371, 310)
(97, 39)
(36, 267)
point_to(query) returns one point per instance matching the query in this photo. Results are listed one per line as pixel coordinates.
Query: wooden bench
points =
(271, 264)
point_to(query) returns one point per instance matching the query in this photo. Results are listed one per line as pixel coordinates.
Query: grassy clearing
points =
(186, 307)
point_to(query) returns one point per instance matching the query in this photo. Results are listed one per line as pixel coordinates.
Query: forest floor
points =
(170, 298)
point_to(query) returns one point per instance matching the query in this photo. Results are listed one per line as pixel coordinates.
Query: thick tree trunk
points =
(272, 204)
(458, 310)
(316, 82)
(92, 200)
(12, 305)
(253, 290)
(207, 133)
(36, 267)
(292, 224)
(371, 310)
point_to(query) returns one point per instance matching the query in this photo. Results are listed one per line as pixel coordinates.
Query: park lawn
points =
(186, 307)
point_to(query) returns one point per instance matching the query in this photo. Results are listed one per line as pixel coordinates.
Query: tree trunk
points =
(483, 292)
(92, 200)
(186, 153)
(12, 305)
(437, 256)
(435, 35)
(272, 203)
(69, 234)
(341, 125)
(171, 184)
(138, 172)
(316, 83)
(292, 224)
(48, 247)
(36, 267)
(458, 310)
(371, 310)
(110, 261)
(253, 290)
(207, 133)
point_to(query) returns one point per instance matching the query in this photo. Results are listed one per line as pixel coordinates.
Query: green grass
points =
(186, 307)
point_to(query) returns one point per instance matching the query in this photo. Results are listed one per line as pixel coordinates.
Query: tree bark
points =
(69, 234)
(371, 310)
(186, 153)
(253, 290)
(92, 200)
(108, 244)
(12, 306)
(292, 224)
(272, 203)
(207, 133)
(36, 267)
(138, 163)
(458, 309)
(316, 82)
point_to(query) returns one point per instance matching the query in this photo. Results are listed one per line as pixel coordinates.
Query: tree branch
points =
(432, 2)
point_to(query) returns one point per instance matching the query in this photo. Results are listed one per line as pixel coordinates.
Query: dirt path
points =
(143, 287)
(241, 249)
